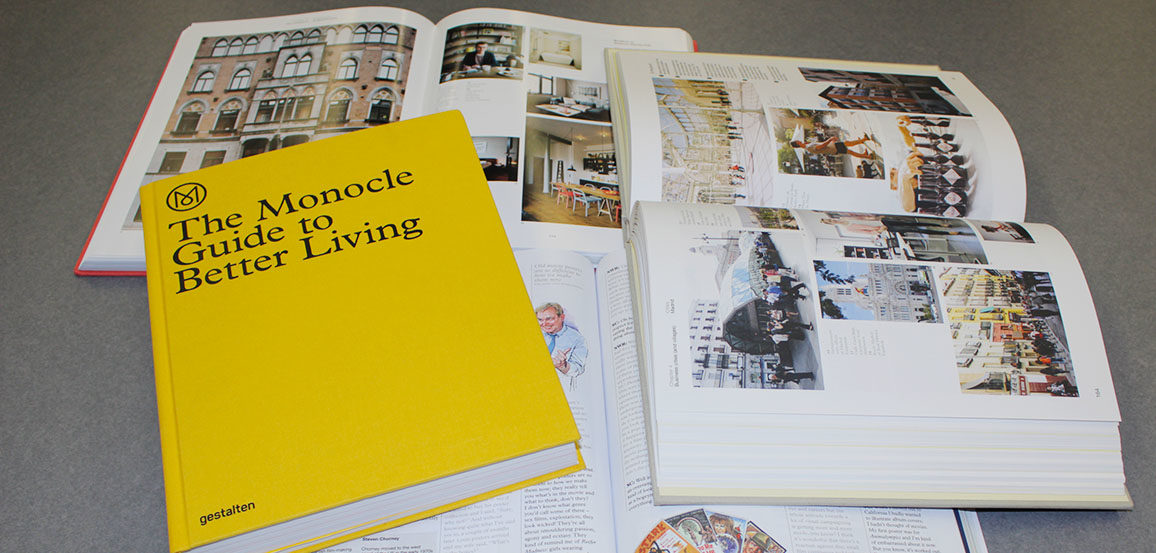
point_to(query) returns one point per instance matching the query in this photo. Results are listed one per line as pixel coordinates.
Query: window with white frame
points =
(374, 34)
(304, 64)
(391, 35)
(389, 69)
(241, 79)
(290, 67)
(204, 82)
(347, 69)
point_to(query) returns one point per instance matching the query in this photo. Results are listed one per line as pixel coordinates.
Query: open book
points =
(907, 358)
(532, 88)
(856, 359)
(811, 134)
(608, 507)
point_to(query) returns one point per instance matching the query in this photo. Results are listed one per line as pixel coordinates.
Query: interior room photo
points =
(499, 156)
(555, 48)
(498, 56)
(571, 175)
(568, 98)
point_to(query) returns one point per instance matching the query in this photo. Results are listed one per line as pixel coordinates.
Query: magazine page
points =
(533, 92)
(853, 314)
(815, 134)
(233, 89)
(732, 528)
(571, 514)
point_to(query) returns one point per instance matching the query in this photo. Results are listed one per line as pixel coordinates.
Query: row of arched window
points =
(376, 34)
(298, 66)
(294, 67)
(291, 105)
(240, 81)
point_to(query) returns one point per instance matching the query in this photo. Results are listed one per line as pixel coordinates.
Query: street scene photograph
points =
(826, 143)
(716, 147)
(1007, 332)
(759, 332)
(767, 217)
(932, 163)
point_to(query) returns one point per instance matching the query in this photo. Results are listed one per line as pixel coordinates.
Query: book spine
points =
(166, 413)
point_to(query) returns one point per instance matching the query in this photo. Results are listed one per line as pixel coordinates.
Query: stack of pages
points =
(839, 357)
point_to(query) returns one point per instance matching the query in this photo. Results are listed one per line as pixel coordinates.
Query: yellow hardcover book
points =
(342, 342)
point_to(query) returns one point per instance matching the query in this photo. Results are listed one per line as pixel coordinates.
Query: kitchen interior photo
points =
(571, 175)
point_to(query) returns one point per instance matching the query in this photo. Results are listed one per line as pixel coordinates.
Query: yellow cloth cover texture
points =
(390, 342)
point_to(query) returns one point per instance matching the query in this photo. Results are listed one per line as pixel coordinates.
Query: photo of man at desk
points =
(478, 59)
(483, 50)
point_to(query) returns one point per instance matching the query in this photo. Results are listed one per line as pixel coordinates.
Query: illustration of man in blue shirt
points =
(567, 346)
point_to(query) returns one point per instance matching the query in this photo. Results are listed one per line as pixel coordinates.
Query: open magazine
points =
(877, 359)
(532, 88)
(811, 134)
(585, 309)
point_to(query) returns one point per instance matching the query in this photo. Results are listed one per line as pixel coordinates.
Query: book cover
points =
(338, 323)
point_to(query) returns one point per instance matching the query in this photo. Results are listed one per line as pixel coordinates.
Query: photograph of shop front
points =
(715, 144)
(571, 176)
(1008, 335)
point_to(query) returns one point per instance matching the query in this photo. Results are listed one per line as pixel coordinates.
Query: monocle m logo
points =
(186, 196)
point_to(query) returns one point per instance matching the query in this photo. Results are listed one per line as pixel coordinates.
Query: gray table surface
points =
(79, 453)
